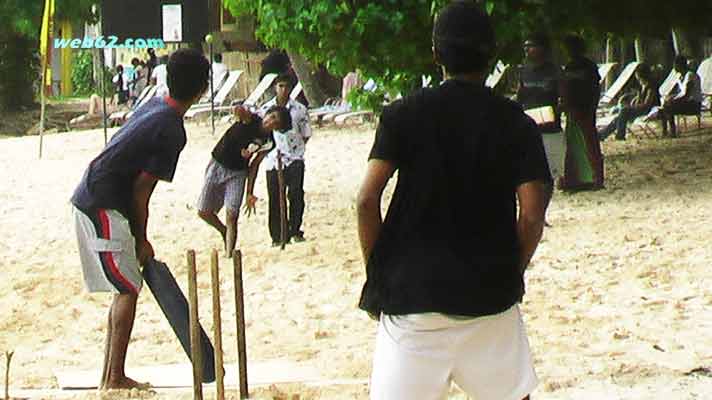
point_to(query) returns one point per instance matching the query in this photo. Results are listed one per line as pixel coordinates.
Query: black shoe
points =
(298, 238)
(275, 244)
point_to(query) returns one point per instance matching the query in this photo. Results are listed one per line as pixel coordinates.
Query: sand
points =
(619, 304)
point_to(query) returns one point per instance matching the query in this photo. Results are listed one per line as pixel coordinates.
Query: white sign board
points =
(172, 22)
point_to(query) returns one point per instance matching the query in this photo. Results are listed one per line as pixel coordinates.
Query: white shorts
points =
(417, 356)
(107, 251)
(555, 148)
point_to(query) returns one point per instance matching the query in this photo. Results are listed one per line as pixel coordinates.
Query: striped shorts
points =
(222, 187)
(107, 251)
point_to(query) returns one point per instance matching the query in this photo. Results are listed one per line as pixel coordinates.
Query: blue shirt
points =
(150, 141)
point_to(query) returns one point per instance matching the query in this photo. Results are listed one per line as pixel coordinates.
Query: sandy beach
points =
(618, 302)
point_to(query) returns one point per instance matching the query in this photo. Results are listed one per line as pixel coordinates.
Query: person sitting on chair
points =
(685, 100)
(644, 100)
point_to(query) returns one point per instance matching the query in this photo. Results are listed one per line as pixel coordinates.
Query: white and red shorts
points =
(107, 251)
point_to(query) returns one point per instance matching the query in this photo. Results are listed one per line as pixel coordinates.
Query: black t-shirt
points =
(581, 87)
(538, 87)
(150, 141)
(448, 243)
(240, 136)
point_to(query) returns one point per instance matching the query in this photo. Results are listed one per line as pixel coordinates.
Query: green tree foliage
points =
(389, 40)
(20, 23)
(82, 71)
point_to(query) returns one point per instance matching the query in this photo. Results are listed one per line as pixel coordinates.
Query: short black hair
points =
(217, 57)
(283, 78)
(188, 72)
(463, 37)
(285, 118)
(644, 71)
(575, 45)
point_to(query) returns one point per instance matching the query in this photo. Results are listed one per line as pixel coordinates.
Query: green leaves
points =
(390, 40)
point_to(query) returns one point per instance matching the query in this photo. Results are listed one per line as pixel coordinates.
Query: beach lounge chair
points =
(119, 117)
(220, 97)
(617, 86)
(705, 73)
(254, 98)
(604, 70)
(497, 74)
(296, 91)
(251, 101)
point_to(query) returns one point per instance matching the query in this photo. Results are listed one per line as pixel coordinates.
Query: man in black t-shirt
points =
(111, 202)
(445, 269)
(236, 159)
(539, 87)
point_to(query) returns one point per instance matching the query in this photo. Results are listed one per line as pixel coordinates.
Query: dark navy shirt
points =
(449, 242)
(538, 87)
(150, 141)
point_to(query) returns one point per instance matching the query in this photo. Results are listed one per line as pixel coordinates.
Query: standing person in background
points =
(580, 94)
(140, 79)
(159, 77)
(292, 146)
(539, 87)
(151, 63)
(445, 269)
(686, 99)
(121, 84)
(219, 71)
(111, 203)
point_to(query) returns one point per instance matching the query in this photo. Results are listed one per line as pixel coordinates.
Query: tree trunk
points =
(686, 44)
(624, 51)
(19, 72)
(641, 49)
(317, 83)
(610, 58)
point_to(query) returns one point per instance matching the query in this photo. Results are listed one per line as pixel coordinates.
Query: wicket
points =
(217, 326)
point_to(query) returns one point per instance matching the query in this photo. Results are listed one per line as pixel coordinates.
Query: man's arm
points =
(251, 199)
(530, 223)
(252, 171)
(142, 189)
(368, 205)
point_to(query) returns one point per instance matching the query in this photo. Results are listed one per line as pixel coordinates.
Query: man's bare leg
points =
(107, 347)
(231, 236)
(123, 312)
(212, 219)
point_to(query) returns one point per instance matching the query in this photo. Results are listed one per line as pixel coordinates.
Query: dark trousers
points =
(676, 107)
(294, 185)
(620, 122)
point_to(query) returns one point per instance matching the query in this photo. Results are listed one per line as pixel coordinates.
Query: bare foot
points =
(125, 383)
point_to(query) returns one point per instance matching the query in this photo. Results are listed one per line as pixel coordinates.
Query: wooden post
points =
(195, 356)
(212, 89)
(240, 321)
(217, 327)
(282, 202)
(42, 110)
(8, 358)
(610, 57)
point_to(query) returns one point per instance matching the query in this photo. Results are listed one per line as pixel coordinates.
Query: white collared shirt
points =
(292, 143)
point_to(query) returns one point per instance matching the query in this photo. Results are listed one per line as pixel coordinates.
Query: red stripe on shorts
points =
(113, 268)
